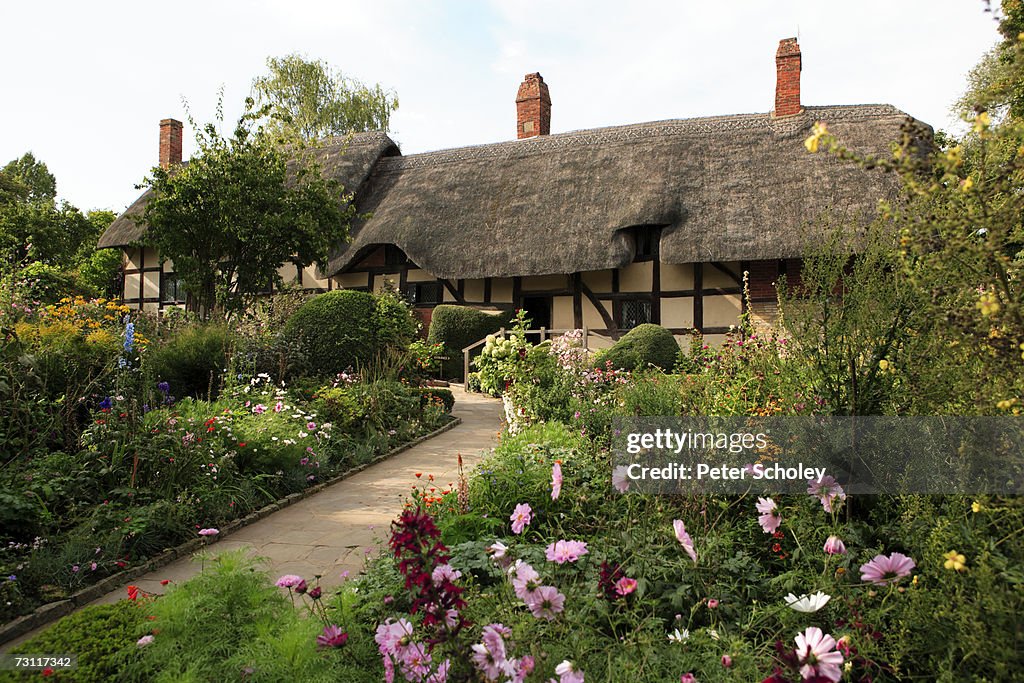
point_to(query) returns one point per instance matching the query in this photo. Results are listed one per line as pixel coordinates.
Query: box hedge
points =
(336, 329)
(643, 346)
(456, 327)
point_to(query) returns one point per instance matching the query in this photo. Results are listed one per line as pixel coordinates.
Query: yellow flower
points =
(817, 133)
(966, 184)
(915, 580)
(988, 304)
(883, 365)
(975, 507)
(955, 561)
(981, 122)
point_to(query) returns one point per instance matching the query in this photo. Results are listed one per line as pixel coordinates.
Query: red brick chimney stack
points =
(787, 85)
(533, 107)
(170, 143)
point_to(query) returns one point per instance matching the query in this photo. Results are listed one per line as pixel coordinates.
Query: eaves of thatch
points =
(723, 189)
(348, 159)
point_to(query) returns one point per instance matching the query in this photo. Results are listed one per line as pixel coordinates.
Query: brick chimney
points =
(787, 84)
(170, 143)
(533, 107)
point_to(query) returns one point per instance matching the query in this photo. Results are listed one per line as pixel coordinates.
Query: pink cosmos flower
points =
(443, 573)
(620, 479)
(144, 641)
(882, 570)
(497, 550)
(827, 490)
(835, 546)
(712, 603)
(288, 581)
(567, 674)
(556, 481)
(415, 660)
(726, 661)
(566, 551)
(815, 651)
(526, 581)
(332, 636)
(687, 678)
(545, 602)
(625, 586)
(490, 656)
(259, 409)
(684, 538)
(279, 407)
(311, 426)
(391, 636)
(209, 532)
(521, 516)
(769, 518)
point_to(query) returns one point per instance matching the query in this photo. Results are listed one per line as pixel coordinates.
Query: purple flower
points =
(332, 636)
(882, 570)
(684, 539)
(288, 581)
(546, 602)
(106, 404)
(164, 388)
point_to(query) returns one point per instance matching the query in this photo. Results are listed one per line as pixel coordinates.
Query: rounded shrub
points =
(456, 327)
(337, 330)
(644, 346)
(393, 322)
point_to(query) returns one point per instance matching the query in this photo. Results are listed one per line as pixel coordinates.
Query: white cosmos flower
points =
(678, 636)
(807, 603)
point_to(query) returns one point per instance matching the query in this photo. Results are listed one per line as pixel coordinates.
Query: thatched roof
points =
(348, 159)
(724, 188)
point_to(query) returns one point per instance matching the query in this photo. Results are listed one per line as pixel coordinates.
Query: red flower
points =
(133, 592)
(47, 672)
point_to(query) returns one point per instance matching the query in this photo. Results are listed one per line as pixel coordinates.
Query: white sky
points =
(86, 83)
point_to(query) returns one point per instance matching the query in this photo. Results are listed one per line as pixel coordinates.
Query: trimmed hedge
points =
(643, 346)
(336, 329)
(456, 327)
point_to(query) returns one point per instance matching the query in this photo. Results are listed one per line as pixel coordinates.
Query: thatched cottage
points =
(604, 229)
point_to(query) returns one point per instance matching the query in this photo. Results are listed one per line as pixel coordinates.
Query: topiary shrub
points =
(103, 637)
(191, 361)
(337, 329)
(643, 346)
(393, 322)
(456, 327)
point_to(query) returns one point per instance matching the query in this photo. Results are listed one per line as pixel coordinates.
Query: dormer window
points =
(646, 240)
(393, 256)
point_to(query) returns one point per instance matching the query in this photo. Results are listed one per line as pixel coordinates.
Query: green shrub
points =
(341, 407)
(394, 325)
(103, 637)
(337, 329)
(191, 361)
(456, 327)
(643, 346)
(45, 283)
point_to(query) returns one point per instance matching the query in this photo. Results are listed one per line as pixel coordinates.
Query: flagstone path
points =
(334, 530)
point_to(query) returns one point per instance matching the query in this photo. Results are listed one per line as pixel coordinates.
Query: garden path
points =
(334, 530)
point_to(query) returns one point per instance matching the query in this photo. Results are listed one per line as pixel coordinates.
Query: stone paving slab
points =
(334, 530)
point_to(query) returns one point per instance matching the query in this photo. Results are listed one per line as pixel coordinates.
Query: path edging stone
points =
(51, 611)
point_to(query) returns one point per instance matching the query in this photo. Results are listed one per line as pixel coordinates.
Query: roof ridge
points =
(636, 131)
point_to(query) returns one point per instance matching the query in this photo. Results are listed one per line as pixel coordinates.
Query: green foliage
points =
(394, 325)
(503, 357)
(642, 347)
(437, 395)
(34, 177)
(191, 361)
(241, 207)
(337, 331)
(311, 100)
(456, 327)
(45, 283)
(102, 636)
(97, 275)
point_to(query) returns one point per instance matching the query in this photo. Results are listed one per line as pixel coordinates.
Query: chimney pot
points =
(170, 143)
(787, 85)
(533, 107)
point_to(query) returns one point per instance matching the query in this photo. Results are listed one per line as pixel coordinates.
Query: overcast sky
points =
(85, 84)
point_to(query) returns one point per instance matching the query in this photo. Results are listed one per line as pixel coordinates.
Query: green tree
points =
(241, 207)
(311, 100)
(36, 179)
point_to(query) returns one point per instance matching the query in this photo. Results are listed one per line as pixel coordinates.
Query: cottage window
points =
(424, 293)
(646, 243)
(172, 289)
(634, 312)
